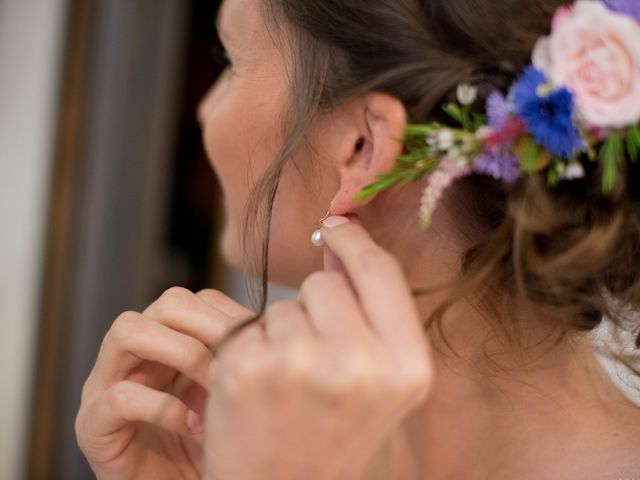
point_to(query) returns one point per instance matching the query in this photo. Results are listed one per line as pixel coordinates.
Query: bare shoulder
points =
(604, 450)
(615, 463)
(589, 454)
(613, 454)
(624, 454)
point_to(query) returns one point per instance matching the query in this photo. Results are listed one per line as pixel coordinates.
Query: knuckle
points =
(123, 327)
(223, 302)
(320, 279)
(118, 396)
(310, 282)
(281, 307)
(298, 363)
(211, 294)
(331, 277)
(87, 388)
(279, 317)
(286, 319)
(190, 355)
(414, 383)
(175, 298)
(234, 379)
(248, 369)
(78, 428)
(357, 378)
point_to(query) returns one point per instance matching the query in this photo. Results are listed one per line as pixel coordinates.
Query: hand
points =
(132, 421)
(314, 394)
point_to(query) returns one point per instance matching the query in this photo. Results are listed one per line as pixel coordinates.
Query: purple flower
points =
(498, 110)
(501, 165)
(627, 7)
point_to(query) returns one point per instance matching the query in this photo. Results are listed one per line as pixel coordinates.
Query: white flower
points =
(457, 157)
(466, 93)
(573, 171)
(445, 140)
(432, 141)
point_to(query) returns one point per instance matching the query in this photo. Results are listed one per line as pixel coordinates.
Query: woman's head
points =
(320, 90)
(301, 84)
(329, 154)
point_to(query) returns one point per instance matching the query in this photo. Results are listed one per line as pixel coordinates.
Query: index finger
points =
(224, 303)
(379, 281)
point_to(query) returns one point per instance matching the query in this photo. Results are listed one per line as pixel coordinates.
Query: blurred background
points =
(106, 198)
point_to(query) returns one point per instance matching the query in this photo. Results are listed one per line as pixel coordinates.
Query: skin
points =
(132, 421)
(544, 413)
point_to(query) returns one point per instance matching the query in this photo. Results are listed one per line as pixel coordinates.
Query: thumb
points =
(331, 260)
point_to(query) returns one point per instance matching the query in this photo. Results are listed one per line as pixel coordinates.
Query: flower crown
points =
(577, 103)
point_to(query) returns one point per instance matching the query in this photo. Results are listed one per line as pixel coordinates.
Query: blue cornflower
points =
(548, 116)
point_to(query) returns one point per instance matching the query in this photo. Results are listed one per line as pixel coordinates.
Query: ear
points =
(377, 126)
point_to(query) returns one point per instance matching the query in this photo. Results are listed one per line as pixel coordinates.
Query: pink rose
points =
(595, 53)
(562, 14)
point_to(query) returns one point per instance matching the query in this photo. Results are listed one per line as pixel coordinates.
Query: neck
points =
(492, 396)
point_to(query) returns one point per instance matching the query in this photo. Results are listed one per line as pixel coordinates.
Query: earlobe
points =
(382, 120)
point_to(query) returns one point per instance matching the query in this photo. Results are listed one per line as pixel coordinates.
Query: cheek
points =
(296, 211)
(240, 139)
(242, 136)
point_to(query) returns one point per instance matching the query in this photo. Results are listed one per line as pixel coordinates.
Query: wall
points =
(31, 36)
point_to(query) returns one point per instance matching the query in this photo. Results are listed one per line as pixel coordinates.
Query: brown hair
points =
(565, 252)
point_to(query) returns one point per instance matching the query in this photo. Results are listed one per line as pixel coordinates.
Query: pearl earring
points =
(316, 237)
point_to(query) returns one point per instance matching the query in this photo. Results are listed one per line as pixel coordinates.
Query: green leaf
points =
(633, 142)
(416, 176)
(552, 176)
(455, 112)
(419, 131)
(425, 223)
(529, 162)
(409, 158)
(609, 174)
(374, 188)
(460, 115)
(612, 157)
(365, 194)
(478, 120)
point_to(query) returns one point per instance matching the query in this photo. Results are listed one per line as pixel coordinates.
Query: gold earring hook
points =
(325, 217)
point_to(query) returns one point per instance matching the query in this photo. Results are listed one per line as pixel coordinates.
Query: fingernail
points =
(335, 221)
(195, 422)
